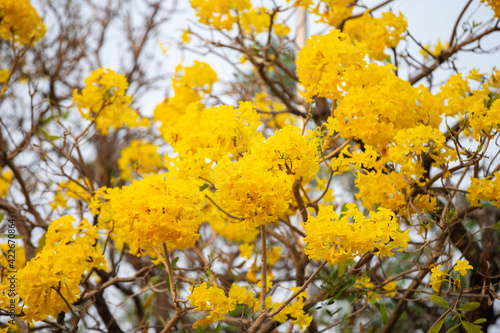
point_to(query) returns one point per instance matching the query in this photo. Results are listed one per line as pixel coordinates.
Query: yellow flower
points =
(5, 180)
(20, 22)
(377, 33)
(139, 157)
(339, 239)
(4, 75)
(484, 189)
(155, 210)
(391, 287)
(246, 250)
(104, 101)
(208, 298)
(67, 254)
(59, 201)
(462, 266)
(437, 278)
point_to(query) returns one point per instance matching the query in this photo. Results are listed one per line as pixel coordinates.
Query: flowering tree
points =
(333, 194)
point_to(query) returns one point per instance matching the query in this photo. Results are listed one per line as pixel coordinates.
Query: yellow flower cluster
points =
(484, 189)
(190, 85)
(484, 121)
(377, 33)
(155, 210)
(207, 298)
(478, 106)
(295, 310)
(249, 190)
(411, 143)
(140, 158)
(52, 277)
(289, 151)
(332, 12)
(223, 14)
(370, 111)
(20, 22)
(104, 101)
(215, 132)
(258, 186)
(5, 180)
(321, 64)
(220, 14)
(339, 239)
(438, 276)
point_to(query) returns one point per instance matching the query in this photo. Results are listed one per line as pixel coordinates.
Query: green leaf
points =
(467, 307)
(217, 329)
(176, 259)
(2, 216)
(50, 137)
(437, 326)
(204, 186)
(199, 329)
(41, 244)
(438, 300)
(480, 321)
(452, 329)
(471, 328)
(383, 313)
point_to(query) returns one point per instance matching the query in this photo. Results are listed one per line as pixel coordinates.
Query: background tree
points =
(336, 194)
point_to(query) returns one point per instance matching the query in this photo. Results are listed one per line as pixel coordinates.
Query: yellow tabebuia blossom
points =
(140, 158)
(190, 85)
(335, 239)
(257, 188)
(291, 152)
(4, 74)
(462, 266)
(57, 270)
(370, 110)
(104, 101)
(332, 12)
(155, 210)
(213, 299)
(322, 62)
(484, 121)
(220, 14)
(437, 278)
(391, 288)
(5, 180)
(249, 190)
(377, 33)
(389, 190)
(215, 132)
(59, 201)
(20, 22)
(485, 189)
